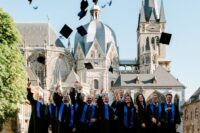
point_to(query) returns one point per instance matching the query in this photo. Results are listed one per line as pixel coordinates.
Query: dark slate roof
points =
(149, 7)
(195, 96)
(163, 78)
(37, 34)
(98, 32)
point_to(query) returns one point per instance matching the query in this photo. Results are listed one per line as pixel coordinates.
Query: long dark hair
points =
(131, 102)
(138, 102)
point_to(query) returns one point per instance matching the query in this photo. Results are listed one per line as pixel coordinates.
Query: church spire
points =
(149, 7)
(142, 14)
(153, 17)
(162, 13)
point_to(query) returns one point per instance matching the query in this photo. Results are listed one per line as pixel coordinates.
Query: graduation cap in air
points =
(30, 1)
(83, 7)
(110, 69)
(84, 4)
(66, 31)
(41, 59)
(165, 38)
(88, 65)
(110, 3)
(35, 7)
(103, 6)
(81, 30)
(82, 14)
(95, 1)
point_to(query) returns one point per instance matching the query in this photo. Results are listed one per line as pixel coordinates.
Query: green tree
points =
(12, 72)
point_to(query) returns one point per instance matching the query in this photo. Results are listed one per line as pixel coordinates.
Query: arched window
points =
(92, 54)
(157, 40)
(112, 83)
(147, 44)
(153, 42)
(38, 66)
(196, 113)
(186, 115)
(96, 84)
(61, 70)
(147, 60)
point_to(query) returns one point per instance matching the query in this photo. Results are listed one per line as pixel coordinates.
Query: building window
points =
(186, 115)
(96, 84)
(92, 54)
(153, 42)
(112, 83)
(157, 40)
(196, 113)
(191, 115)
(147, 60)
(147, 44)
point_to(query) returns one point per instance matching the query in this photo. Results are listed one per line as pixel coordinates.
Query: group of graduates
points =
(74, 114)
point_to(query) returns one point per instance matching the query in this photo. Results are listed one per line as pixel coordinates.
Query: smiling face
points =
(89, 99)
(169, 98)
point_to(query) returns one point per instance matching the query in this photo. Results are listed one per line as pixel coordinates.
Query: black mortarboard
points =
(35, 7)
(84, 5)
(95, 1)
(110, 69)
(110, 3)
(81, 30)
(41, 59)
(66, 31)
(88, 65)
(103, 6)
(30, 1)
(82, 14)
(165, 38)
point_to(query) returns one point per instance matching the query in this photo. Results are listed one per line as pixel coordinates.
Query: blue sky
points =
(182, 22)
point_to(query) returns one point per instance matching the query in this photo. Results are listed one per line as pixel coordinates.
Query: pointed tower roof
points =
(149, 7)
(142, 14)
(162, 13)
(150, 3)
(152, 17)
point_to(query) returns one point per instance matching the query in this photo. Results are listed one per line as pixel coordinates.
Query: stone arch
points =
(161, 97)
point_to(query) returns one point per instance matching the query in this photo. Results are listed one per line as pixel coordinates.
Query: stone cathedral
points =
(49, 61)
